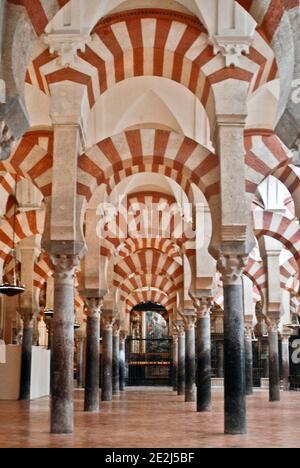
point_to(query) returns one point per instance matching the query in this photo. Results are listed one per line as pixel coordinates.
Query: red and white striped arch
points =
(33, 158)
(265, 153)
(149, 296)
(27, 224)
(149, 150)
(147, 261)
(162, 282)
(153, 42)
(279, 227)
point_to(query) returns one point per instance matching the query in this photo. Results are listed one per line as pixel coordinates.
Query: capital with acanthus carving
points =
(231, 267)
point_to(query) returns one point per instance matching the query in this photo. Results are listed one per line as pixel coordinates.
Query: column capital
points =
(94, 306)
(273, 326)
(108, 320)
(248, 330)
(202, 306)
(27, 318)
(122, 336)
(65, 266)
(116, 328)
(189, 322)
(231, 267)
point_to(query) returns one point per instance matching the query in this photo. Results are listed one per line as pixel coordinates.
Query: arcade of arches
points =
(150, 206)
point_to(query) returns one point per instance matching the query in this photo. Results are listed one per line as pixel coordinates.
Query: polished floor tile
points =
(154, 418)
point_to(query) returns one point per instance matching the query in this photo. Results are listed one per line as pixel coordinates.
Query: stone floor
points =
(153, 418)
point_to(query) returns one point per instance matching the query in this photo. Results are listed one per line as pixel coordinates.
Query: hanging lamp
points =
(14, 288)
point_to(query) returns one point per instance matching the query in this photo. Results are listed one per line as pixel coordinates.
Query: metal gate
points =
(149, 362)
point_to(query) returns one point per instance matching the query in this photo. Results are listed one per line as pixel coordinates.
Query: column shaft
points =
(286, 363)
(249, 364)
(122, 365)
(116, 364)
(175, 362)
(91, 397)
(181, 364)
(26, 362)
(274, 385)
(62, 348)
(80, 363)
(203, 364)
(107, 351)
(234, 360)
(220, 359)
(190, 362)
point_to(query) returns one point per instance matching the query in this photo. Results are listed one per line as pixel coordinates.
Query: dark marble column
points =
(91, 396)
(175, 361)
(63, 344)
(79, 363)
(234, 355)
(203, 355)
(220, 359)
(181, 361)
(107, 356)
(274, 378)
(248, 359)
(26, 316)
(116, 360)
(122, 361)
(286, 361)
(190, 358)
(264, 356)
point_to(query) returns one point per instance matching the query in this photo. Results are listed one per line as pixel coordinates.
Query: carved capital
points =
(64, 267)
(189, 322)
(232, 48)
(66, 47)
(122, 336)
(272, 326)
(94, 306)
(107, 320)
(248, 330)
(116, 328)
(203, 306)
(231, 267)
(27, 318)
(7, 141)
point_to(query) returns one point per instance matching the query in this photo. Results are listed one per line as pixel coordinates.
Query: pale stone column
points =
(122, 360)
(203, 306)
(274, 374)
(181, 360)
(231, 267)
(107, 355)
(92, 368)
(63, 343)
(285, 344)
(27, 318)
(116, 359)
(175, 361)
(248, 358)
(190, 358)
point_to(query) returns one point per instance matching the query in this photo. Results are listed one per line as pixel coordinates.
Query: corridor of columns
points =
(149, 223)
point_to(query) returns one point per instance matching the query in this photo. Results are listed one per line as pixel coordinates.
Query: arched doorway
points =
(149, 346)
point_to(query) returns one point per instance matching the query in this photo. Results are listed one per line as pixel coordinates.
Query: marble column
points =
(220, 359)
(203, 355)
(63, 344)
(175, 361)
(264, 353)
(181, 361)
(79, 363)
(274, 373)
(231, 267)
(27, 318)
(122, 361)
(285, 346)
(116, 360)
(190, 358)
(248, 359)
(91, 396)
(107, 356)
